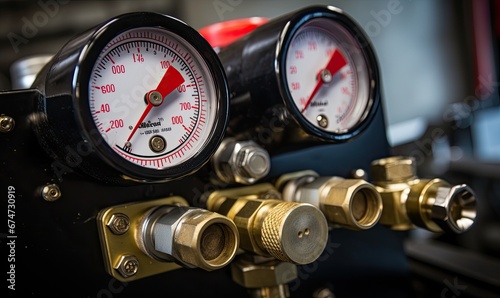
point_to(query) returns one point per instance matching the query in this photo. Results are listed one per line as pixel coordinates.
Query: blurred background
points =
(439, 69)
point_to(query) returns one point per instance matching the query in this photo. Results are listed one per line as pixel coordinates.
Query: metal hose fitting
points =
(432, 204)
(351, 203)
(288, 231)
(193, 237)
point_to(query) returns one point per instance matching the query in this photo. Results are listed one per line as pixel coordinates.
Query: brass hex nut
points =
(273, 273)
(353, 203)
(454, 208)
(393, 169)
(206, 240)
(196, 237)
(244, 220)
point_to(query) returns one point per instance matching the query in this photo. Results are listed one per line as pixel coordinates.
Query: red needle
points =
(336, 62)
(170, 81)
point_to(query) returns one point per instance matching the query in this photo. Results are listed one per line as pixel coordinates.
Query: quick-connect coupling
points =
(288, 231)
(192, 237)
(432, 204)
(351, 203)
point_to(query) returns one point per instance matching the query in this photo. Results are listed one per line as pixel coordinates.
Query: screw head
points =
(51, 192)
(155, 98)
(6, 123)
(322, 121)
(119, 223)
(157, 144)
(127, 266)
(326, 76)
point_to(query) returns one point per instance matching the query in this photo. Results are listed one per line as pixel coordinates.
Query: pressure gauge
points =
(153, 102)
(315, 62)
(327, 82)
(143, 94)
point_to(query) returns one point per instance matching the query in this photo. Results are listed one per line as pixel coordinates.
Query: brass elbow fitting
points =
(351, 203)
(263, 277)
(290, 232)
(193, 237)
(409, 201)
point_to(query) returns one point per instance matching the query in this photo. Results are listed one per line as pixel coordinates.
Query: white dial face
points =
(152, 98)
(328, 84)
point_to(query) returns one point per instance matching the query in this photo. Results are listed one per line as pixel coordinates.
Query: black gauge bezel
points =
(88, 57)
(334, 14)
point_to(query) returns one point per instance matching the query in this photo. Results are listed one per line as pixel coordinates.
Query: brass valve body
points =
(150, 237)
(290, 232)
(409, 201)
(351, 203)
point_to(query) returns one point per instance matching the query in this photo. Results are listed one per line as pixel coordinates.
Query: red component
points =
(169, 82)
(336, 62)
(221, 34)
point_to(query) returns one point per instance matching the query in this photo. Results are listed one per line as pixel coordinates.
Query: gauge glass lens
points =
(152, 98)
(327, 76)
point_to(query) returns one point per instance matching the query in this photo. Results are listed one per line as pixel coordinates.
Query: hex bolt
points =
(6, 123)
(242, 162)
(51, 192)
(254, 161)
(127, 266)
(119, 223)
(454, 208)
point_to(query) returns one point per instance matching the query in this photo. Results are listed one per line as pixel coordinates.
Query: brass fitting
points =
(192, 237)
(351, 203)
(409, 201)
(264, 278)
(288, 231)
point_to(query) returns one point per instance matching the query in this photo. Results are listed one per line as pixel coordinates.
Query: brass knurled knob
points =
(294, 232)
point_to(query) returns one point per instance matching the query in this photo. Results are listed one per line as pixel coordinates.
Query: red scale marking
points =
(111, 60)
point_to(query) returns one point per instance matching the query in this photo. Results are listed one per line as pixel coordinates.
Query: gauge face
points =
(152, 98)
(327, 78)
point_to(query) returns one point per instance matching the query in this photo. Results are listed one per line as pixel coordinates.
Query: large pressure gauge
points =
(317, 63)
(141, 97)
